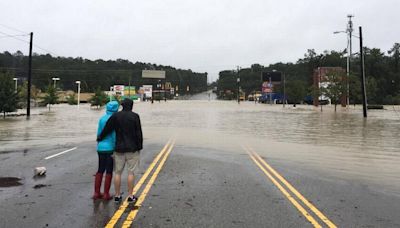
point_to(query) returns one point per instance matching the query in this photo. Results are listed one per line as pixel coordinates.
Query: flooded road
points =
(306, 145)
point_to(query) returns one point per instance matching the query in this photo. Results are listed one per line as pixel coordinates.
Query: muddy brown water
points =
(343, 143)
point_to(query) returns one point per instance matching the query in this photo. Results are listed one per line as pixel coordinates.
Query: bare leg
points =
(117, 184)
(131, 182)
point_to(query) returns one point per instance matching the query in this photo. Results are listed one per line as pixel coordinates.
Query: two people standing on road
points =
(129, 141)
(105, 149)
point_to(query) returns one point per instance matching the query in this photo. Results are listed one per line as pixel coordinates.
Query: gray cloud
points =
(205, 36)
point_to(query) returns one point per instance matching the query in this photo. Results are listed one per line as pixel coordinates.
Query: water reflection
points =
(305, 126)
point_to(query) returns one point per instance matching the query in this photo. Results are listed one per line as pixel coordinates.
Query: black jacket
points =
(128, 130)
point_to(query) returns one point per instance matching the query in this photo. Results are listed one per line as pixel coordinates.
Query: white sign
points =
(119, 89)
(159, 74)
(148, 90)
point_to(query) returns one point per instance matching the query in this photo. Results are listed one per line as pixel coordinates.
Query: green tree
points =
(99, 98)
(296, 91)
(371, 86)
(355, 89)
(51, 96)
(22, 92)
(315, 92)
(335, 88)
(395, 52)
(8, 95)
(71, 99)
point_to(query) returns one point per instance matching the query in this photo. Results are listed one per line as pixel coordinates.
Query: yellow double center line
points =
(164, 153)
(273, 175)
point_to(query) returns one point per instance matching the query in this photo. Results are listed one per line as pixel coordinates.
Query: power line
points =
(36, 46)
(12, 36)
(43, 49)
(12, 28)
(8, 36)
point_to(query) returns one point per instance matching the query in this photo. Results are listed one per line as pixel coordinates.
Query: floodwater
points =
(342, 144)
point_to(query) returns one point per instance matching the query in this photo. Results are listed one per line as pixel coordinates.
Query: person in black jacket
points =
(129, 142)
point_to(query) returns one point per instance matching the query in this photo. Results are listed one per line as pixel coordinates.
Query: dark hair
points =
(127, 104)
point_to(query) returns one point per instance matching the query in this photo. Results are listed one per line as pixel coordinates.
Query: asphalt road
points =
(194, 186)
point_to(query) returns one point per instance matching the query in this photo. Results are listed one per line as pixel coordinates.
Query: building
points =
(320, 80)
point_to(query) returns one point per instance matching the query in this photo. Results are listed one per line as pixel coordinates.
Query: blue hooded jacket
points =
(107, 145)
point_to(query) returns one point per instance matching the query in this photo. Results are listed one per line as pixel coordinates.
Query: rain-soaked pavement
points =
(220, 164)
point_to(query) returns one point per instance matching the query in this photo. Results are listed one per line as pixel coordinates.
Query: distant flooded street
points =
(304, 125)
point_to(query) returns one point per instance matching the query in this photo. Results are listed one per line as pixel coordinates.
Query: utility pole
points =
(238, 85)
(284, 90)
(350, 55)
(28, 100)
(363, 91)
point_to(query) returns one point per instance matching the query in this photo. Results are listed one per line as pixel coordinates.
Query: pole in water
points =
(363, 91)
(28, 100)
(238, 84)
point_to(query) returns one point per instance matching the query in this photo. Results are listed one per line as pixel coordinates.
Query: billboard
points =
(157, 74)
(275, 76)
(267, 87)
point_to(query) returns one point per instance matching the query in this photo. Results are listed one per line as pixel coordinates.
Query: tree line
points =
(381, 70)
(95, 74)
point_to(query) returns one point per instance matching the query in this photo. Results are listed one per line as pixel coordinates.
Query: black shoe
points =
(132, 199)
(118, 199)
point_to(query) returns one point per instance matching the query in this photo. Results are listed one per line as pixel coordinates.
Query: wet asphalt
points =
(197, 187)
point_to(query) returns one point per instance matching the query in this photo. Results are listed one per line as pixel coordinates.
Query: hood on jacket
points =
(127, 104)
(112, 107)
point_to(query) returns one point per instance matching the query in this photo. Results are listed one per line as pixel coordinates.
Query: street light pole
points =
(55, 80)
(79, 92)
(16, 84)
(349, 31)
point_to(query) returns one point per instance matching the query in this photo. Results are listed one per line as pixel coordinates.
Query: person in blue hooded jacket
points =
(105, 149)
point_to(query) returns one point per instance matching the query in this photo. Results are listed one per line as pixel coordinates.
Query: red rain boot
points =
(97, 185)
(107, 185)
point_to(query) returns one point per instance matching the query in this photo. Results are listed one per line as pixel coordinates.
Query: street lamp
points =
(16, 84)
(349, 32)
(79, 91)
(55, 80)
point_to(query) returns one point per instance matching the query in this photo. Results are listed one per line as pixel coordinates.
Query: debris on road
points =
(39, 171)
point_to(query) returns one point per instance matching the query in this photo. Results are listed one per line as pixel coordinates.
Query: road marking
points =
(117, 215)
(295, 192)
(285, 193)
(65, 151)
(142, 197)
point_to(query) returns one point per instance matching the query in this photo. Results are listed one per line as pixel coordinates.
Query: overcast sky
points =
(203, 35)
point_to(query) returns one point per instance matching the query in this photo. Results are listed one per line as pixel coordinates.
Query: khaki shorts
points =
(129, 158)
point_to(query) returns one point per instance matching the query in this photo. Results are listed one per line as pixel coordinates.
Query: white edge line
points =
(65, 151)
